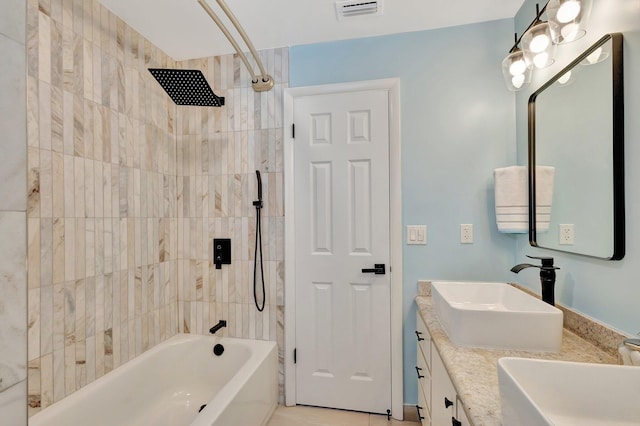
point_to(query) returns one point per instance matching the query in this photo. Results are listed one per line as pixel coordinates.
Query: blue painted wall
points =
(604, 290)
(458, 124)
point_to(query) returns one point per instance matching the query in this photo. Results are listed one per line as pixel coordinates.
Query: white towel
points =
(512, 199)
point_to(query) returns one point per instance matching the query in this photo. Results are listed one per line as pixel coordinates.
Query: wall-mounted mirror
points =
(576, 125)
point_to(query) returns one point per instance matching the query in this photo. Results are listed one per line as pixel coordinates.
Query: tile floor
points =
(313, 416)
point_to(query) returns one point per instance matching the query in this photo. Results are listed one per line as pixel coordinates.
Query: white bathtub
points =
(166, 386)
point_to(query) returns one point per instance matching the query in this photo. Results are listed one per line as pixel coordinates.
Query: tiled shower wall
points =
(123, 206)
(13, 204)
(102, 213)
(219, 150)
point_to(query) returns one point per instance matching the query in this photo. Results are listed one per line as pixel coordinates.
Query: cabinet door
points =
(461, 416)
(443, 393)
(424, 339)
(423, 413)
(424, 377)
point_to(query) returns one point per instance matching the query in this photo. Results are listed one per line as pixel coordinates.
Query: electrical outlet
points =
(566, 234)
(466, 233)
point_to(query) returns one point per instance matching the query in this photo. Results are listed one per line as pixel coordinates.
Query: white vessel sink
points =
(496, 316)
(539, 392)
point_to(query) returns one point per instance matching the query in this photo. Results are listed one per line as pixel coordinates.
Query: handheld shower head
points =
(258, 205)
(259, 185)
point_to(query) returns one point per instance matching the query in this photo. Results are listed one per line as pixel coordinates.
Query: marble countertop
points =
(474, 372)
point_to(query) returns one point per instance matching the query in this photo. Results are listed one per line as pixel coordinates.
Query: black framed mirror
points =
(576, 127)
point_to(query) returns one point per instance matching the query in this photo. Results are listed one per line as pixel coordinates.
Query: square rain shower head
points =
(187, 87)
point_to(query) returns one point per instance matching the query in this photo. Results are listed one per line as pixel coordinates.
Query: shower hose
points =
(259, 307)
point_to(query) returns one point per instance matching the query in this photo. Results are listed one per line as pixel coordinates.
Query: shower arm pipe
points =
(260, 83)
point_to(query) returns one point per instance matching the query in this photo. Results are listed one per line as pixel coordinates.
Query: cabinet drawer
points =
(423, 413)
(443, 394)
(424, 382)
(424, 339)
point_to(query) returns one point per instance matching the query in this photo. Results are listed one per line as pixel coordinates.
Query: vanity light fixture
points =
(536, 43)
(516, 70)
(536, 46)
(567, 19)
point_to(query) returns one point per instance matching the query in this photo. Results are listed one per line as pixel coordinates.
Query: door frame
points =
(392, 85)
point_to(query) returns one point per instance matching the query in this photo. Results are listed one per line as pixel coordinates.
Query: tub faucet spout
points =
(218, 326)
(547, 276)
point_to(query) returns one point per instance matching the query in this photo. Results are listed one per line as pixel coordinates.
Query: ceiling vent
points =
(350, 8)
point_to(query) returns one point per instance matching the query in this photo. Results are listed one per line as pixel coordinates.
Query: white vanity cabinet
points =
(423, 372)
(438, 402)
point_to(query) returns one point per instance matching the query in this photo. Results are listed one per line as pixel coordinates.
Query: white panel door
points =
(341, 180)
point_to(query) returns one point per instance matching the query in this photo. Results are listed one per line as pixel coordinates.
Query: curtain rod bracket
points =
(260, 83)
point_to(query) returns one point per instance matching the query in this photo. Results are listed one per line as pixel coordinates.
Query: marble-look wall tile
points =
(12, 20)
(13, 125)
(20, 189)
(126, 193)
(13, 216)
(100, 163)
(218, 151)
(13, 306)
(12, 404)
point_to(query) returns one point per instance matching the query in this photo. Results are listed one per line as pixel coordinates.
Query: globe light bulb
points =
(541, 60)
(565, 78)
(570, 32)
(568, 11)
(539, 43)
(517, 81)
(595, 56)
(517, 67)
(515, 70)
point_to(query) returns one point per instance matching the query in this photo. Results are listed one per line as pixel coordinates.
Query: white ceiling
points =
(183, 30)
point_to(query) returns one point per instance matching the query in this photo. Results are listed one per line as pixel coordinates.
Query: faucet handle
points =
(546, 261)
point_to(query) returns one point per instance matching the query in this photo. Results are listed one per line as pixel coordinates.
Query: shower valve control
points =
(221, 252)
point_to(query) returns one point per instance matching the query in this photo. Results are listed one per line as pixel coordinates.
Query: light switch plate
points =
(416, 234)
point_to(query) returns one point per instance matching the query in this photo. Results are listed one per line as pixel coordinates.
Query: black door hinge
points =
(293, 131)
(295, 356)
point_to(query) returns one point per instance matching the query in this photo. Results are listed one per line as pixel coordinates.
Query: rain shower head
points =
(187, 87)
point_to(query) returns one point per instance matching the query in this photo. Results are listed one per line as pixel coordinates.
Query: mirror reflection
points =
(575, 126)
